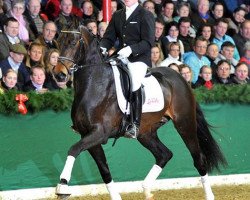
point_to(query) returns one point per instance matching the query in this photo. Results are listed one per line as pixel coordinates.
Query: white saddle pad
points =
(154, 100)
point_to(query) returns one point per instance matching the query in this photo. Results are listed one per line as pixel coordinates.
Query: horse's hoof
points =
(62, 189)
(63, 196)
(151, 197)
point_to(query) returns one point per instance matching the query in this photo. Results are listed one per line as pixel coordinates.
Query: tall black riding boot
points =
(133, 129)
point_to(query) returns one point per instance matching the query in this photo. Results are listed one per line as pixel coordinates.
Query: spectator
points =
(206, 32)
(9, 81)
(173, 33)
(15, 62)
(47, 39)
(17, 10)
(241, 74)
(9, 36)
(158, 7)
(226, 53)
(52, 9)
(186, 73)
(34, 56)
(196, 59)
(167, 11)
(114, 6)
(159, 29)
(173, 56)
(37, 80)
(35, 18)
(217, 10)
(91, 24)
(156, 55)
(243, 36)
(88, 11)
(212, 54)
(223, 73)
(246, 57)
(184, 27)
(205, 77)
(66, 19)
(236, 20)
(150, 6)
(2, 15)
(102, 26)
(202, 15)
(183, 10)
(220, 36)
(55, 78)
(174, 67)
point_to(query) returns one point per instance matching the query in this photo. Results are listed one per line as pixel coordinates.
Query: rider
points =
(134, 27)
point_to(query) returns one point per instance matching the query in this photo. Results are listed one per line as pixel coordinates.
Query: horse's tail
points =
(208, 145)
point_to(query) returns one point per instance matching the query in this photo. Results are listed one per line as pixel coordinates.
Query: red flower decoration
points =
(21, 98)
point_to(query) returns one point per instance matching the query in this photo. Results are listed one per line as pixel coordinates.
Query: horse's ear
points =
(81, 28)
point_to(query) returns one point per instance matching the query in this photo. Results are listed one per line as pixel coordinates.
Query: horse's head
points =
(78, 47)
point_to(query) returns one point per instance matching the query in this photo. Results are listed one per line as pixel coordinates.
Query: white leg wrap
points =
(66, 173)
(150, 179)
(114, 194)
(207, 188)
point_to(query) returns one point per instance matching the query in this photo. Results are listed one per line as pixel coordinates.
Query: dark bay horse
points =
(96, 117)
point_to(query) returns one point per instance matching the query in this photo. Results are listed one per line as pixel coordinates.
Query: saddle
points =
(126, 86)
(125, 78)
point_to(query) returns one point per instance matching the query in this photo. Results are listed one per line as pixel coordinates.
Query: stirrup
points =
(131, 131)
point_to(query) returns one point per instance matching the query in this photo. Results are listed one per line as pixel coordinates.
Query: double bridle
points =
(75, 66)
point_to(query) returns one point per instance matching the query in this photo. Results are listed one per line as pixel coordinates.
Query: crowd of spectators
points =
(211, 37)
(207, 42)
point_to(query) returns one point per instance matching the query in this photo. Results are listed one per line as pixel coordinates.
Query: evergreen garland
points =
(61, 100)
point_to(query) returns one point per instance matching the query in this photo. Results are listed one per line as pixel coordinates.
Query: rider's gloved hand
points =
(104, 51)
(125, 52)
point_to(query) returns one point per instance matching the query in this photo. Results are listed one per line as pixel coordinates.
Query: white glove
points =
(125, 52)
(103, 50)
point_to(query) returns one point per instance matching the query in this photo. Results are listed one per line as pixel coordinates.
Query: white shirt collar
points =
(13, 40)
(130, 10)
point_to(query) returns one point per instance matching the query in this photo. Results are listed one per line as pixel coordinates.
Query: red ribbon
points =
(209, 85)
(21, 98)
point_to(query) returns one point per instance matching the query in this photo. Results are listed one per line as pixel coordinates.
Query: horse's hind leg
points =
(99, 156)
(186, 127)
(162, 155)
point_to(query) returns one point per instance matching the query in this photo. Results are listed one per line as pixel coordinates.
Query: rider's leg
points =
(137, 71)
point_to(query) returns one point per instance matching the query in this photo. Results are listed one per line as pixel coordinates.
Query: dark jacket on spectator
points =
(197, 21)
(30, 87)
(33, 32)
(240, 43)
(5, 46)
(201, 82)
(188, 42)
(218, 80)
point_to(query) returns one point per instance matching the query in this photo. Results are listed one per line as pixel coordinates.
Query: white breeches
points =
(137, 71)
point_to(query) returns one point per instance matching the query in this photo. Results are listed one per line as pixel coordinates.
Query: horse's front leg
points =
(87, 142)
(99, 156)
(162, 155)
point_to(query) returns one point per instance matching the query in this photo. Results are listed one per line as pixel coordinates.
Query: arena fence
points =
(34, 147)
